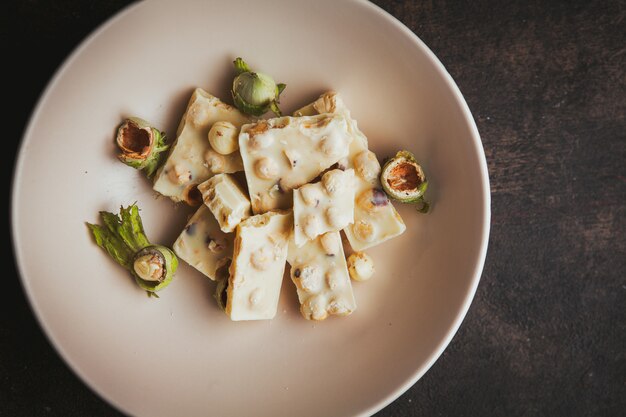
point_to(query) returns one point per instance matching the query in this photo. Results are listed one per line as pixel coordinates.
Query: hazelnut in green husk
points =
(255, 93)
(154, 267)
(123, 238)
(141, 145)
(403, 180)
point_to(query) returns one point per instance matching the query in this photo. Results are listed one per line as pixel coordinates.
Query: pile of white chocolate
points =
(308, 177)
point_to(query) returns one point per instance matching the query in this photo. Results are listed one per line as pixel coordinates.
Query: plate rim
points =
(486, 200)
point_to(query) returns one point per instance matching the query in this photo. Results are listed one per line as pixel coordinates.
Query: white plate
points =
(179, 355)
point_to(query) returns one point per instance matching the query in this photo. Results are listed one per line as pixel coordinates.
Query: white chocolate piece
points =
(256, 273)
(326, 206)
(191, 159)
(321, 278)
(360, 266)
(203, 245)
(373, 223)
(224, 137)
(285, 153)
(228, 203)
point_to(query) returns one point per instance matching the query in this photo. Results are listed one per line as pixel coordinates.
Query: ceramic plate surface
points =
(179, 355)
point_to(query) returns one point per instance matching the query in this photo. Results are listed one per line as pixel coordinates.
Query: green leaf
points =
(279, 88)
(112, 221)
(152, 165)
(160, 140)
(113, 245)
(275, 109)
(241, 66)
(131, 228)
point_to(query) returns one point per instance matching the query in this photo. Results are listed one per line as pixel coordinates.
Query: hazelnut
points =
(256, 296)
(258, 142)
(334, 181)
(372, 200)
(317, 308)
(292, 156)
(199, 115)
(337, 218)
(331, 145)
(215, 162)
(331, 243)
(334, 278)
(266, 168)
(179, 175)
(367, 166)
(310, 226)
(363, 230)
(309, 278)
(337, 307)
(223, 137)
(311, 194)
(360, 266)
(261, 259)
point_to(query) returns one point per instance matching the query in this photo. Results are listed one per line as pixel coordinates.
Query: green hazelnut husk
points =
(255, 93)
(141, 146)
(403, 180)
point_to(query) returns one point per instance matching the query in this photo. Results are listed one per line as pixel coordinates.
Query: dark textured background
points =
(545, 80)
